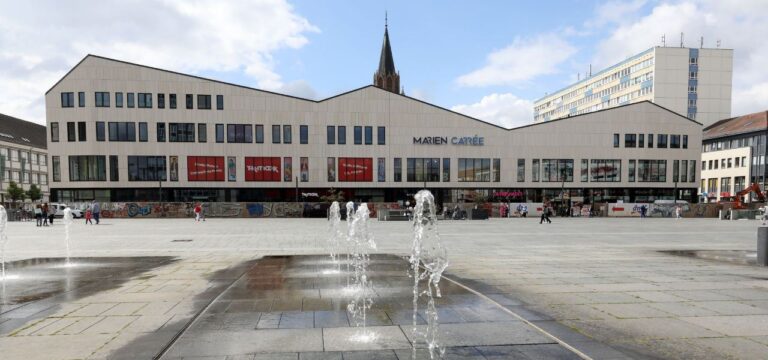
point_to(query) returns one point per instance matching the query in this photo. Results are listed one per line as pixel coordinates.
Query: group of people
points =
(43, 214)
(93, 212)
(506, 210)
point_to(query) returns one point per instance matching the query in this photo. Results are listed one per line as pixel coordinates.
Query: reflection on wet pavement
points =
(295, 306)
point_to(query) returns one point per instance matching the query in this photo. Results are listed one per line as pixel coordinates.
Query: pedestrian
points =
(88, 216)
(545, 212)
(39, 215)
(198, 210)
(678, 212)
(765, 214)
(525, 211)
(643, 211)
(45, 215)
(96, 211)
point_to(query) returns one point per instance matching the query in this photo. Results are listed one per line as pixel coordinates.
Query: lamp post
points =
(562, 189)
(297, 189)
(160, 197)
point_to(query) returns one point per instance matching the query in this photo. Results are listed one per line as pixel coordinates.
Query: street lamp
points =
(562, 189)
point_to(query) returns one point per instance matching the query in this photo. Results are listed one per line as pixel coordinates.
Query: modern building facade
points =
(695, 83)
(126, 132)
(23, 156)
(733, 156)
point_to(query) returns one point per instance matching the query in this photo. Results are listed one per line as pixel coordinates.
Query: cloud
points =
(299, 88)
(506, 110)
(614, 12)
(520, 62)
(41, 40)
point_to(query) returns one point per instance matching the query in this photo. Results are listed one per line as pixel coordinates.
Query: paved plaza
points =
(595, 288)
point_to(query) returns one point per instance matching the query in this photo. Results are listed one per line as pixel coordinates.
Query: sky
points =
(487, 59)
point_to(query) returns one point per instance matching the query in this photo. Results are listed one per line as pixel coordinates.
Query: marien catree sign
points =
(456, 140)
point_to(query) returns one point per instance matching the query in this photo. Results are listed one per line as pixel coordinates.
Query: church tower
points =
(386, 77)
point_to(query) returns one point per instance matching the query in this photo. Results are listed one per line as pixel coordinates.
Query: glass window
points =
(67, 99)
(381, 173)
(172, 101)
(160, 132)
(342, 135)
(81, 99)
(602, 170)
(81, 131)
(368, 135)
(181, 132)
(474, 170)
(114, 170)
(381, 135)
(651, 170)
(674, 141)
(204, 102)
(190, 101)
(520, 170)
(331, 169)
(287, 134)
(239, 133)
(56, 163)
(100, 131)
(536, 169)
(146, 168)
(219, 102)
(145, 100)
(631, 170)
(304, 169)
(584, 170)
(259, 134)
(398, 169)
(692, 171)
(71, 134)
(161, 101)
(557, 170)
(330, 136)
(202, 133)
(219, 133)
(275, 134)
(143, 132)
(54, 132)
(685, 141)
(650, 141)
(87, 168)
(423, 169)
(662, 141)
(641, 140)
(131, 100)
(358, 130)
(630, 140)
(615, 140)
(684, 170)
(303, 134)
(122, 131)
(118, 99)
(102, 99)
(446, 169)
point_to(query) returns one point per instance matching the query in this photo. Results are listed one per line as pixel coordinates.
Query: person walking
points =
(88, 216)
(96, 208)
(545, 213)
(678, 212)
(45, 215)
(198, 211)
(38, 215)
(524, 212)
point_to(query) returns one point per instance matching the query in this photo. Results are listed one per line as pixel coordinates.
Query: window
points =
(204, 102)
(259, 134)
(219, 133)
(496, 170)
(356, 169)
(67, 99)
(303, 134)
(584, 170)
(130, 100)
(520, 170)
(662, 144)
(87, 168)
(342, 135)
(161, 101)
(145, 100)
(692, 89)
(730, 163)
(615, 140)
(102, 99)
(331, 169)
(81, 131)
(692, 75)
(202, 133)
(476, 170)
(239, 133)
(446, 169)
(685, 141)
(205, 168)
(691, 102)
(641, 140)
(381, 135)
(650, 141)
(601, 170)
(535, 168)
(557, 170)
(630, 140)
(143, 132)
(146, 168)
(632, 170)
(275, 134)
(738, 183)
(54, 132)
(692, 171)
(703, 168)
(81, 99)
(100, 131)
(358, 130)
(674, 141)
(676, 170)
(56, 168)
(219, 102)
(190, 100)
(114, 170)
(652, 170)
(684, 170)
(368, 135)
(172, 101)
(287, 134)
(398, 170)
(330, 135)
(122, 131)
(160, 132)
(43, 179)
(423, 169)
(118, 99)
(725, 185)
(71, 135)
(692, 61)
(381, 171)
(181, 132)
(262, 169)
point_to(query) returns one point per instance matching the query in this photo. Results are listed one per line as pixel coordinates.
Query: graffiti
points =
(134, 209)
(222, 209)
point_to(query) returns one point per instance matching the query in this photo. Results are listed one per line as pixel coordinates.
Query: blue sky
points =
(488, 59)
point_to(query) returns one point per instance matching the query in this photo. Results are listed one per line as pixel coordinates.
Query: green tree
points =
(15, 192)
(333, 195)
(34, 193)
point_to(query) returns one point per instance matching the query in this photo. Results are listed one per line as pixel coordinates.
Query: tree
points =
(15, 192)
(333, 195)
(34, 193)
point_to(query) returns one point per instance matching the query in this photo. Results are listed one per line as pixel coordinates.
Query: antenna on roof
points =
(663, 40)
(702, 43)
(590, 70)
(681, 39)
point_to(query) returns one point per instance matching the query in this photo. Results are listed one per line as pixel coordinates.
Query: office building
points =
(23, 156)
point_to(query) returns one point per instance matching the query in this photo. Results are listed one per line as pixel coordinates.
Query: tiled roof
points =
(738, 125)
(22, 132)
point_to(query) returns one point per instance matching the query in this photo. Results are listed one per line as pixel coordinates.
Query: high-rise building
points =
(695, 83)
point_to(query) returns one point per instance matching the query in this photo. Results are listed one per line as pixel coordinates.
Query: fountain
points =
(3, 238)
(428, 261)
(334, 240)
(361, 244)
(67, 219)
(348, 239)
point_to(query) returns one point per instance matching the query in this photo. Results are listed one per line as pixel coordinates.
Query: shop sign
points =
(456, 140)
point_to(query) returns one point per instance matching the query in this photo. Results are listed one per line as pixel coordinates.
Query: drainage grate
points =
(182, 240)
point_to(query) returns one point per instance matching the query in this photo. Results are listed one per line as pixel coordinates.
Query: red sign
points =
(262, 169)
(725, 194)
(205, 168)
(512, 194)
(355, 169)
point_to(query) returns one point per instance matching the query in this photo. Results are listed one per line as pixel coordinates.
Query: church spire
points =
(387, 77)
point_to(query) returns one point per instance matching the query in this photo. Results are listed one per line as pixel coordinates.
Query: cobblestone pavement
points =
(589, 282)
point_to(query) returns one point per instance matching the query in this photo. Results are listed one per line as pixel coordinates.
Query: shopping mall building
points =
(120, 131)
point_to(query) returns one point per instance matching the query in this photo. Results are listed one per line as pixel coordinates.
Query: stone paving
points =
(599, 285)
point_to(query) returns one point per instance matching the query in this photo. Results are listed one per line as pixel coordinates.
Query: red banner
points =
(205, 168)
(262, 169)
(356, 169)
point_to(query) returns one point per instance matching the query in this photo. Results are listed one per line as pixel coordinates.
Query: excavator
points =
(738, 205)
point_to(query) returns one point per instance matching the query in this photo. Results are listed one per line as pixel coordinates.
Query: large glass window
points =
(219, 133)
(122, 131)
(71, 132)
(630, 140)
(131, 100)
(172, 101)
(423, 169)
(145, 100)
(181, 132)
(381, 135)
(631, 170)
(641, 140)
(615, 140)
(160, 132)
(219, 102)
(204, 102)
(675, 170)
(650, 141)
(239, 133)
(368, 135)
(692, 171)
(496, 170)
(259, 134)
(87, 168)
(398, 170)
(356, 169)
(674, 141)
(662, 141)
(602, 170)
(146, 168)
(81, 131)
(342, 138)
(381, 172)
(535, 168)
(685, 141)
(520, 170)
(118, 99)
(358, 130)
(652, 170)
(161, 101)
(190, 101)
(475, 170)
(725, 185)
(684, 170)
(56, 163)
(287, 134)
(275, 134)
(303, 134)
(67, 99)
(584, 170)
(330, 136)
(81, 99)
(143, 132)
(557, 170)
(114, 170)
(54, 132)
(102, 99)
(446, 169)
(202, 132)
